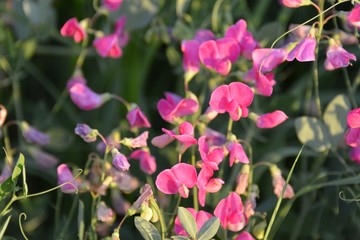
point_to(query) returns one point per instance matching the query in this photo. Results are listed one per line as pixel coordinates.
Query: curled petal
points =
(270, 120)
(166, 182)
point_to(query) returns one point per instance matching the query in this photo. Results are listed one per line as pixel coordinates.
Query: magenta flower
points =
(279, 183)
(108, 46)
(173, 106)
(337, 57)
(233, 98)
(304, 51)
(352, 137)
(184, 134)
(86, 133)
(353, 17)
(137, 118)
(139, 141)
(73, 29)
(244, 236)
(210, 157)
(230, 211)
(353, 118)
(77, 78)
(237, 153)
(112, 5)
(268, 58)
(264, 83)
(244, 38)
(120, 31)
(178, 179)
(355, 154)
(119, 161)
(271, 120)
(207, 184)
(219, 54)
(65, 175)
(200, 217)
(33, 135)
(295, 3)
(147, 161)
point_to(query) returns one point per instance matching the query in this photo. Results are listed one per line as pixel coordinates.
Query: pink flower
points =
(65, 175)
(174, 107)
(353, 17)
(210, 157)
(147, 161)
(207, 184)
(230, 211)
(264, 83)
(244, 236)
(190, 49)
(242, 179)
(3, 114)
(108, 46)
(353, 118)
(119, 161)
(295, 3)
(137, 118)
(73, 29)
(237, 153)
(355, 154)
(120, 31)
(268, 58)
(185, 135)
(271, 120)
(200, 217)
(219, 54)
(112, 5)
(233, 98)
(304, 51)
(337, 57)
(244, 38)
(162, 140)
(178, 179)
(85, 98)
(139, 141)
(352, 137)
(279, 183)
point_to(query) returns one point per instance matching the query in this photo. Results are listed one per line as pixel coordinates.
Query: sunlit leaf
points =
(209, 229)
(147, 230)
(18, 168)
(187, 221)
(4, 227)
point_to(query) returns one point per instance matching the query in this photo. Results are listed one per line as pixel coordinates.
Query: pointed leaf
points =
(187, 221)
(147, 230)
(335, 117)
(6, 187)
(312, 132)
(18, 168)
(209, 229)
(4, 226)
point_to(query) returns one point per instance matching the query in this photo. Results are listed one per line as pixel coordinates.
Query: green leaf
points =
(147, 230)
(6, 187)
(209, 229)
(181, 6)
(335, 117)
(18, 168)
(187, 221)
(312, 132)
(180, 238)
(4, 227)
(80, 220)
(25, 187)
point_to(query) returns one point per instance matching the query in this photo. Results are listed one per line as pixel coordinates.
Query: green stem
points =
(69, 218)
(194, 190)
(229, 129)
(9, 152)
(349, 88)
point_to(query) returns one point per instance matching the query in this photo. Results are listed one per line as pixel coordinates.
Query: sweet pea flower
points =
(185, 135)
(207, 184)
(304, 51)
(337, 57)
(64, 175)
(353, 118)
(137, 118)
(214, 138)
(279, 183)
(33, 135)
(86, 133)
(200, 218)
(72, 28)
(173, 106)
(42, 159)
(209, 115)
(355, 154)
(3, 114)
(244, 38)
(119, 161)
(147, 161)
(244, 236)
(178, 179)
(139, 141)
(295, 3)
(210, 157)
(268, 58)
(162, 140)
(108, 46)
(112, 5)
(230, 211)
(219, 54)
(120, 31)
(242, 179)
(264, 83)
(271, 120)
(353, 17)
(352, 137)
(233, 98)
(237, 153)
(104, 213)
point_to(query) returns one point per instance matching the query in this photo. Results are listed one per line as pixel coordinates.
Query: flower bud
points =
(86, 133)
(119, 160)
(33, 135)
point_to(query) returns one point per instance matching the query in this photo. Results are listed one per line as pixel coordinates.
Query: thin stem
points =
(194, 190)
(229, 128)
(9, 153)
(120, 99)
(117, 229)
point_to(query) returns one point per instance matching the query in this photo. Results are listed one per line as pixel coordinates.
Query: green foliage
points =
(209, 229)
(187, 221)
(147, 230)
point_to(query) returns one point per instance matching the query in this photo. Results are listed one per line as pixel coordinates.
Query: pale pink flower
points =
(304, 51)
(353, 118)
(268, 58)
(209, 115)
(271, 120)
(352, 137)
(137, 118)
(33, 135)
(108, 46)
(242, 179)
(3, 114)
(112, 5)
(279, 182)
(355, 154)
(237, 153)
(77, 78)
(178, 179)
(300, 32)
(147, 161)
(337, 57)
(207, 184)
(233, 98)
(200, 217)
(295, 3)
(64, 175)
(244, 236)
(139, 141)
(250, 205)
(120, 31)
(162, 140)
(230, 211)
(73, 29)
(119, 161)
(219, 54)
(104, 213)
(211, 157)
(184, 134)
(173, 106)
(264, 83)
(353, 17)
